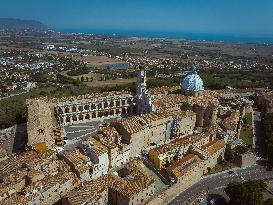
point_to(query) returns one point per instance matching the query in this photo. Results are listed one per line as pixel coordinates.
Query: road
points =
(215, 184)
(12, 95)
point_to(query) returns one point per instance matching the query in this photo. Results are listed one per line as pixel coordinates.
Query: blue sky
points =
(248, 17)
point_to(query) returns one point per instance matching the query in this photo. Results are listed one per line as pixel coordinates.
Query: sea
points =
(256, 39)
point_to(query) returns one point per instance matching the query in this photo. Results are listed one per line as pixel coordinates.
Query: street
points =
(215, 184)
(12, 95)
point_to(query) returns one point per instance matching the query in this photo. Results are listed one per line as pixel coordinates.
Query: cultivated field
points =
(99, 83)
(97, 61)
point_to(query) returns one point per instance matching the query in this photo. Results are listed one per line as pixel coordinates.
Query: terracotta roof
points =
(135, 124)
(106, 141)
(78, 160)
(231, 121)
(97, 147)
(51, 181)
(204, 99)
(89, 191)
(179, 168)
(137, 180)
(15, 162)
(175, 144)
(213, 146)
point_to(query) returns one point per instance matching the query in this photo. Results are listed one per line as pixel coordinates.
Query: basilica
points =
(73, 110)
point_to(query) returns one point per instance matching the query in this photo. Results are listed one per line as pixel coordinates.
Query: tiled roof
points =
(213, 146)
(179, 168)
(16, 162)
(97, 147)
(231, 121)
(89, 191)
(184, 140)
(137, 180)
(204, 99)
(135, 124)
(78, 160)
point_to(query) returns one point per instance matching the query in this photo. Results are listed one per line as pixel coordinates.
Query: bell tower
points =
(141, 82)
(144, 99)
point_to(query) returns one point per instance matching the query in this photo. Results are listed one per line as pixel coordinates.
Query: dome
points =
(192, 82)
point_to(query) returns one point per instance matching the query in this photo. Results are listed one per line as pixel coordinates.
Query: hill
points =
(18, 24)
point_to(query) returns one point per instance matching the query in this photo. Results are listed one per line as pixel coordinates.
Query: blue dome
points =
(192, 82)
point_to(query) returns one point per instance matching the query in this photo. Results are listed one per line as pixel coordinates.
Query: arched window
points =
(80, 117)
(123, 111)
(74, 118)
(87, 117)
(106, 113)
(60, 110)
(134, 109)
(74, 109)
(106, 105)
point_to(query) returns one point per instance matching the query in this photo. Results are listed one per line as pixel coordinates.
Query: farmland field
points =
(97, 82)
(97, 61)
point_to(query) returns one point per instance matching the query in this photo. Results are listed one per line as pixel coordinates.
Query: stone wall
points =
(85, 110)
(41, 123)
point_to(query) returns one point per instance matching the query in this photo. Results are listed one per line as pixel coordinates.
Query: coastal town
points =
(105, 119)
(51, 56)
(179, 134)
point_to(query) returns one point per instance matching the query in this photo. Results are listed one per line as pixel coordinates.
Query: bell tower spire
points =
(143, 97)
(141, 82)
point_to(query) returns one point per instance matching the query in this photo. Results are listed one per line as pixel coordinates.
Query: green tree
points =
(229, 155)
(247, 193)
(43, 93)
(240, 149)
(267, 125)
(268, 202)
